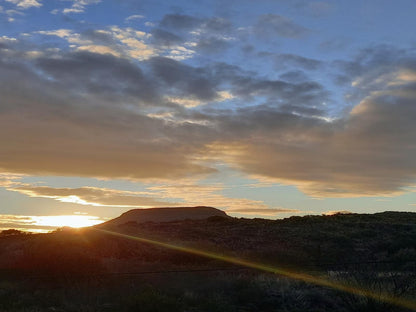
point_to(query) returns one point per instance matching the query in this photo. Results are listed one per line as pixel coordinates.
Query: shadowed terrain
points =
(164, 215)
(90, 270)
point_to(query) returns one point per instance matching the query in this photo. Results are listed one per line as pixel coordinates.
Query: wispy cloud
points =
(183, 192)
(10, 179)
(194, 194)
(93, 196)
(26, 4)
(5, 39)
(134, 17)
(79, 6)
(277, 25)
(120, 42)
(265, 212)
(67, 34)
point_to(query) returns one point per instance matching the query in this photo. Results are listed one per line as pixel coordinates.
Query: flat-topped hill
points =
(166, 214)
(150, 266)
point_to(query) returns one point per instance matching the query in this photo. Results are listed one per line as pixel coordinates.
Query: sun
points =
(75, 221)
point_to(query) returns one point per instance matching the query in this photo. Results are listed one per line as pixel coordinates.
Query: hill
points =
(166, 214)
(91, 268)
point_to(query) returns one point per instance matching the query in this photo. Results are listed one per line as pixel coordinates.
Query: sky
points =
(266, 108)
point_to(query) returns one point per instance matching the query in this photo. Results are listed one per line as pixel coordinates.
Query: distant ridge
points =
(165, 214)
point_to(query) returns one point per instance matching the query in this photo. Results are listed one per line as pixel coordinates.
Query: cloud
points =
(194, 194)
(9, 179)
(212, 44)
(125, 42)
(78, 6)
(194, 102)
(25, 4)
(209, 36)
(180, 21)
(98, 75)
(206, 35)
(294, 76)
(189, 81)
(267, 212)
(165, 38)
(100, 36)
(218, 25)
(134, 41)
(270, 25)
(183, 192)
(11, 14)
(297, 61)
(17, 222)
(101, 110)
(66, 34)
(100, 49)
(80, 115)
(367, 153)
(370, 68)
(101, 115)
(7, 40)
(133, 17)
(93, 196)
(135, 147)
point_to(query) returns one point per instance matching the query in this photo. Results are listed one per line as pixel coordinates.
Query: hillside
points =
(164, 215)
(374, 251)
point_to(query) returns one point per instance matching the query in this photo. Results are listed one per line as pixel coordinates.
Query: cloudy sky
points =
(266, 108)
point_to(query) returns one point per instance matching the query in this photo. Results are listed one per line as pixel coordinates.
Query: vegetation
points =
(86, 270)
(12, 232)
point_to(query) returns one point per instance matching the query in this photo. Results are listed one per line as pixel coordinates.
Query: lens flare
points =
(317, 280)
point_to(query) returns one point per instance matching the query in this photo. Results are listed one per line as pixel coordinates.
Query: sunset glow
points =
(278, 131)
(75, 221)
(43, 224)
(267, 109)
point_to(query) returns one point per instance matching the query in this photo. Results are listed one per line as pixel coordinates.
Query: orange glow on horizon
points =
(44, 224)
(75, 221)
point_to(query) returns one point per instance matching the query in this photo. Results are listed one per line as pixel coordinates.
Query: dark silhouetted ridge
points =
(165, 214)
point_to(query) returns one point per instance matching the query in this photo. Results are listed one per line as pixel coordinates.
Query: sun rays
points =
(308, 278)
